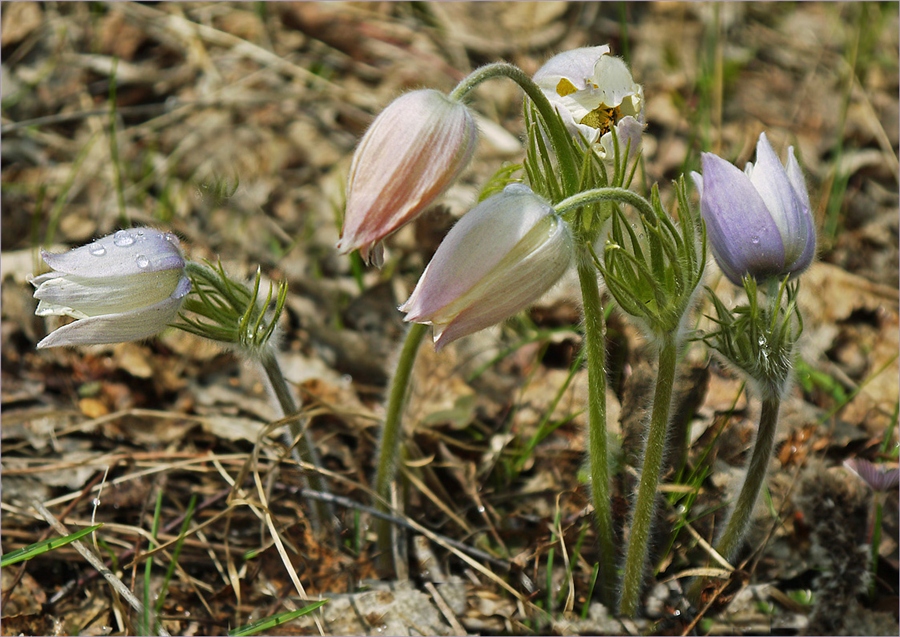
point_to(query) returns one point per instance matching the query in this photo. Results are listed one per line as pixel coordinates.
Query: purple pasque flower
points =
(499, 258)
(759, 221)
(410, 154)
(123, 287)
(594, 93)
(879, 477)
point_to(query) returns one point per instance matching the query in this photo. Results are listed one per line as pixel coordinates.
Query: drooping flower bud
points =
(759, 221)
(594, 93)
(411, 153)
(123, 287)
(498, 259)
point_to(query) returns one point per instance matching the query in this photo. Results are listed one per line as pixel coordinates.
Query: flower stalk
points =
(321, 512)
(730, 540)
(391, 434)
(758, 339)
(229, 312)
(645, 503)
(598, 446)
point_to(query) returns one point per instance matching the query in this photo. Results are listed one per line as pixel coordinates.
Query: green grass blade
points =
(39, 548)
(185, 525)
(275, 620)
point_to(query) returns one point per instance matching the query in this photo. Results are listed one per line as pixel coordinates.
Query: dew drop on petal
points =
(755, 240)
(142, 261)
(97, 250)
(123, 239)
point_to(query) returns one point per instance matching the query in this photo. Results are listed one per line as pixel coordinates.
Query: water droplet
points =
(123, 239)
(97, 250)
(171, 238)
(142, 261)
(755, 240)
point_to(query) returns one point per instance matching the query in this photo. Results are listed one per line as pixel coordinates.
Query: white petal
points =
(473, 248)
(576, 66)
(125, 326)
(78, 296)
(613, 80)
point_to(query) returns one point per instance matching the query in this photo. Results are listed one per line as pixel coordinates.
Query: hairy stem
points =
(597, 195)
(730, 541)
(321, 513)
(598, 452)
(644, 506)
(390, 439)
(559, 136)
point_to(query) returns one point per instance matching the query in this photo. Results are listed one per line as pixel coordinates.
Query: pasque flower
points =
(594, 93)
(879, 477)
(123, 287)
(759, 221)
(498, 259)
(411, 153)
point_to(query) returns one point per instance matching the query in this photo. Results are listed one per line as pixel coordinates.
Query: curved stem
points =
(598, 452)
(742, 511)
(730, 540)
(596, 195)
(644, 506)
(559, 136)
(322, 512)
(390, 438)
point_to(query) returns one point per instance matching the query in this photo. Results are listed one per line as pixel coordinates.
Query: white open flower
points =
(123, 287)
(595, 93)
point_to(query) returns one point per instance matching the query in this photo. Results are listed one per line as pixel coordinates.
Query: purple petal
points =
(742, 234)
(770, 179)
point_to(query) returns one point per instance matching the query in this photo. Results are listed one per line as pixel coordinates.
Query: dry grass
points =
(232, 124)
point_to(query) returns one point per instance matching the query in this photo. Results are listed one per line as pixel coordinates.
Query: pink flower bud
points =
(413, 151)
(123, 287)
(758, 221)
(594, 93)
(498, 259)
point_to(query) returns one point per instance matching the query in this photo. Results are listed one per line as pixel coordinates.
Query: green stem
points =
(596, 195)
(390, 439)
(644, 506)
(321, 513)
(559, 136)
(598, 452)
(730, 540)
